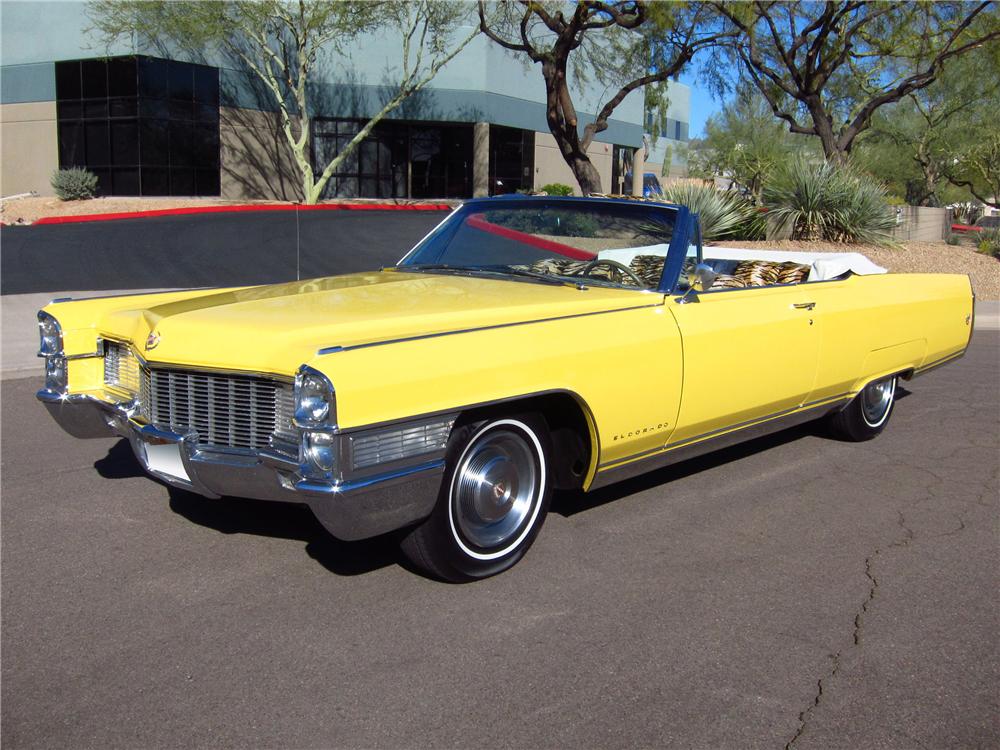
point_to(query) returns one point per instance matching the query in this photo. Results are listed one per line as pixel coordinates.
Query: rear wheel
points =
(867, 415)
(493, 500)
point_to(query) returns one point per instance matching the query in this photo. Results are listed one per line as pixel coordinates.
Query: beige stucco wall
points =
(256, 161)
(551, 167)
(29, 151)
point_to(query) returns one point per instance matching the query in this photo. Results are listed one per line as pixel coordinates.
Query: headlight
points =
(319, 453)
(50, 334)
(314, 399)
(55, 373)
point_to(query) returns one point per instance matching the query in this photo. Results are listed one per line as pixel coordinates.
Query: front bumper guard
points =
(351, 509)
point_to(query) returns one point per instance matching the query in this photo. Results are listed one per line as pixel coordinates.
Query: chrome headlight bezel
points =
(315, 400)
(50, 336)
(56, 374)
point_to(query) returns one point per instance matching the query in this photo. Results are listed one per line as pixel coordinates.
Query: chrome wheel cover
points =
(876, 398)
(496, 491)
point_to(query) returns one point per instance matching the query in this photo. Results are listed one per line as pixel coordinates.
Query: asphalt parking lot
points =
(793, 590)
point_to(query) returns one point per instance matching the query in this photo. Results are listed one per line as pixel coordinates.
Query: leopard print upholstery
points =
(725, 281)
(649, 268)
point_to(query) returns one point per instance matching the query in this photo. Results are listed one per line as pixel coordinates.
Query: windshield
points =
(602, 243)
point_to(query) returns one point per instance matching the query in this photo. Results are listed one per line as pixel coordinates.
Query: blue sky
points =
(702, 104)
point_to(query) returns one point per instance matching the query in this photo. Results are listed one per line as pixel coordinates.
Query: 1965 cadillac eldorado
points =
(525, 344)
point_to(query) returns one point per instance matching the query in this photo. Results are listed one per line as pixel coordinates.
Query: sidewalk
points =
(20, 327)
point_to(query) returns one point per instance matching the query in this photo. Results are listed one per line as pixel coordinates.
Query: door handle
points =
(804, 305)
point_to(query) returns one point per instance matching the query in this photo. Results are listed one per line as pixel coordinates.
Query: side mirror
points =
(702, 277)
(699, 280)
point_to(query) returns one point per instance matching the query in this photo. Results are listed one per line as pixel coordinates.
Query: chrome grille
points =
(237, 411)
(402, 442)
(121, 368)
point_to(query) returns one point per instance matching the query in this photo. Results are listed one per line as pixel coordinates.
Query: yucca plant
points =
(824, 201)
(989, 242)
(74, 184)
(722, 213)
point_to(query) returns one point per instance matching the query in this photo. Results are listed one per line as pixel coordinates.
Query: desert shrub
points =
(953, 239)
(722, 213)
(557, 188)
(823, 201)
(989, 242)
(74, 184)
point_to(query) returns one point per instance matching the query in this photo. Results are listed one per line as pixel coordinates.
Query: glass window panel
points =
(325, 148)
(70, 110)
(384, 158)
(123, 107)
(324, 127)
(385, 188)
(122, 77)
(98, 151)
(103, 180)
(125, 145)
(347, 188)
(206, 146)
(181, 146)
(369, 187)
(181, 110)
(71, 152)
(207, 112)
(152, 78)
(206, 85)
(369, 157)
(350, 163)
(181, 181)
(95, 78)
(207, 181)
(181, 81)
(348, 127)
(97, 108)
(68, 80)
(125, 181)
(155, 181)
(153, 108)
(154, 145)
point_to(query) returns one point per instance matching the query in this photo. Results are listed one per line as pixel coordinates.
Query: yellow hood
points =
(276, 328)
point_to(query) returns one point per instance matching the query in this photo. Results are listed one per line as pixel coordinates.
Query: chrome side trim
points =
(938, 363)
(642, 463)
(352, 347)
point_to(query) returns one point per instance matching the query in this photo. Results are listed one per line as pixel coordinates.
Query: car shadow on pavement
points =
(572, 502)
(232, 515)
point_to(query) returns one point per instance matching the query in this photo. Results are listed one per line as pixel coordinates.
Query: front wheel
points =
(493, 500)
(867, 415)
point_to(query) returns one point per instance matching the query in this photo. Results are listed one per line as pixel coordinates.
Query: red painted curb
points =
(246, 208)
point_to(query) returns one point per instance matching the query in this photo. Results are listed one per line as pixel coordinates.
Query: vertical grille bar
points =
(225, 410)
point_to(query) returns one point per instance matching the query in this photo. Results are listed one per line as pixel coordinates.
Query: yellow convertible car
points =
(525, 344)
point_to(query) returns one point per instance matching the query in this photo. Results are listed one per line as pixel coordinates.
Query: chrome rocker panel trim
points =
(356, 508)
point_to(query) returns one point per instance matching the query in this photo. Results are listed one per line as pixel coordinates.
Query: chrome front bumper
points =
(355, 508)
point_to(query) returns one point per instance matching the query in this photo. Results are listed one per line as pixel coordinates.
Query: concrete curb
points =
(20, 328)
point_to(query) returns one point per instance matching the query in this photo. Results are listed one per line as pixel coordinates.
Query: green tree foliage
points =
(744, 143)
(623, 45)
(826, 68)
(280, 43)
(934, 140)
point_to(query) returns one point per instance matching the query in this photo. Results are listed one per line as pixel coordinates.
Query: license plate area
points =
(165, 458)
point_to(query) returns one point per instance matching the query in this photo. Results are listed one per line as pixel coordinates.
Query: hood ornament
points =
(152, 340)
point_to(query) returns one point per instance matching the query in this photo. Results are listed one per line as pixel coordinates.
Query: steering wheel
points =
(615, 266)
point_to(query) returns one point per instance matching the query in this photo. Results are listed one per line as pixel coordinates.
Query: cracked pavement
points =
(790, 592)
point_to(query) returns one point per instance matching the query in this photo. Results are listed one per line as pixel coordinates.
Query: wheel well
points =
(569, 431)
